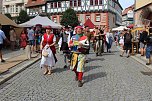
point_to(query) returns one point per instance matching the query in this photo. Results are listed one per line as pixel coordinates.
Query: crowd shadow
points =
(108, 54)
(88, 68)
(59, 70)
(92, 77)
(96, 59)
(147, 73)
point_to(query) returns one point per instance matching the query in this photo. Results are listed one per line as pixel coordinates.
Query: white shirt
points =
(2, 36)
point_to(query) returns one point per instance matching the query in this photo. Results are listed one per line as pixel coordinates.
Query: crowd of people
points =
(75, 44)
(125, 38)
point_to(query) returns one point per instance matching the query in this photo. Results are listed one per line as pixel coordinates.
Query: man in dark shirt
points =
(127, 43)
(142, 40)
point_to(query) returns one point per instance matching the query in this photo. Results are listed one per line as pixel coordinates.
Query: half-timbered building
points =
(100, 12)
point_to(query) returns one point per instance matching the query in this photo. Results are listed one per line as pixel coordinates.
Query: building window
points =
(71, 3)
(78, 17)
(52, 5)
(88, 17)
(96, 2)
(60, 17)
(48, 5)
(75, 2)
(79, 2)
(55, 4)
(59, 4)
(91, 2)
(55, 19)
(16, 9)
(43, 8)
(100, 2)
(98, 17)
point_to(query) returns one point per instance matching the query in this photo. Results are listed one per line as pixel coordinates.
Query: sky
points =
(126, 3)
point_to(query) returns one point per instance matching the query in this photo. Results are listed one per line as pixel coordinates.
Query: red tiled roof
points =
(127, 9)
(89, 24)
(31, 3)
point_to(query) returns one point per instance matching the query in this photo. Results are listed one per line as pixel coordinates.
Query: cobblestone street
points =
(107, 78)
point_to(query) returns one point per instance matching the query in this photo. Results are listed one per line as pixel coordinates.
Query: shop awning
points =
(4, 20)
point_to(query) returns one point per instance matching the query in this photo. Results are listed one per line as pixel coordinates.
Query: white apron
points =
(47, 61)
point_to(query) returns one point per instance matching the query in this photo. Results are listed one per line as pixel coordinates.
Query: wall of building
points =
(111, 20)
(141, 15)
(141, 3)
(13, 6)
(0, 6)
(82, 18)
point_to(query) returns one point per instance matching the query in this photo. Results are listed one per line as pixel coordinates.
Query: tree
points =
(69, 18)
(23, 17)
(8, 15)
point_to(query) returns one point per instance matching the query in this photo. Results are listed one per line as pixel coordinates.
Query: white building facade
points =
(13, 6)
(100, 12)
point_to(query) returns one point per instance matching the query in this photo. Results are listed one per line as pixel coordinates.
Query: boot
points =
(80, 84)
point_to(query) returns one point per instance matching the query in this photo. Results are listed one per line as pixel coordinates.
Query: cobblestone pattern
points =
(106, 78)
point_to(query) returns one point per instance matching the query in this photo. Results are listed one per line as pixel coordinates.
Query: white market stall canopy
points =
(44, 21)
(120, 28)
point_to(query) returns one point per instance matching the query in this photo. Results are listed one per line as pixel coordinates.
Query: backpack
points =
(128, 38)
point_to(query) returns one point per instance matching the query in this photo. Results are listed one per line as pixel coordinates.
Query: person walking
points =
(64, 46)
(23, 39)
(142, 39)
(79, 45)
(47, 46)
(31, 38)
(149, 47)
(38, 36)
(88, 34)
(121, 40)
(2, 37)
(127, 43)
(109, 40)
(12, 34)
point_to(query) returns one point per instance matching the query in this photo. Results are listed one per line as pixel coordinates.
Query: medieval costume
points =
(79, 45)
(48, 59)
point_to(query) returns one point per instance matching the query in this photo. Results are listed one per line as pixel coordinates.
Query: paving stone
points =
(106, 78)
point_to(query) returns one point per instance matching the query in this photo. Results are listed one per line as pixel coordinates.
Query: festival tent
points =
(120, 28)
(4, 20)
(44, 21)
(89, 24)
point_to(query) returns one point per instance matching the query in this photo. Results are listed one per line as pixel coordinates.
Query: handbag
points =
(45, 53)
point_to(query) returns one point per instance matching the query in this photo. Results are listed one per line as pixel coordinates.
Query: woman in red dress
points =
(23, 39)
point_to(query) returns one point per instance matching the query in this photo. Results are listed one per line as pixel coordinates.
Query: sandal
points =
(49, 72)
(45, 72)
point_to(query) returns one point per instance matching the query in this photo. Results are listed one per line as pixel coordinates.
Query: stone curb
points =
(139, 60)
(18, 70)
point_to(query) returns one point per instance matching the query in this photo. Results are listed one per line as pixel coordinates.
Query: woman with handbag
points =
(47, 46)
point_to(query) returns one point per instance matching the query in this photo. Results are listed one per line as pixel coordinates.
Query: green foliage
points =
(69, 18)
(23, 17)
(9, 15)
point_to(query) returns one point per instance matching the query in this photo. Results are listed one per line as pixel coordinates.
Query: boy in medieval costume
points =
(79, 45)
